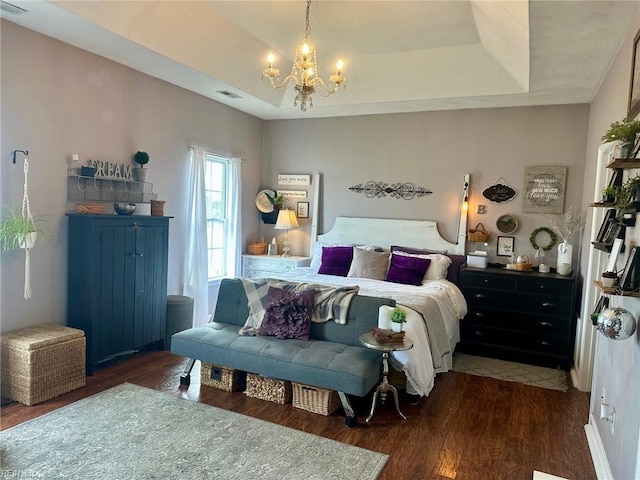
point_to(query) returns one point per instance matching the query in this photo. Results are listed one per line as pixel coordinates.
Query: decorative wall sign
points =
(111, 170)
(285, 179)
(544, 189)
(407, 191)
(293, 193)
(499, 192)
(302, 210)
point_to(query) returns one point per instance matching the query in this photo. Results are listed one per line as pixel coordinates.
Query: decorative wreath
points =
(552, 241)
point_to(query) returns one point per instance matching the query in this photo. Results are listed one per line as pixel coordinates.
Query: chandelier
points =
(304, 72)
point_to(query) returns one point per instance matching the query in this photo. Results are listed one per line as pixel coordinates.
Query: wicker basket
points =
(315, 399)
(524, 267)
(257, 246)
(42, 362)
(157, 208)
(222, 378)
(90, 208)
(478, 234)
(265, 388)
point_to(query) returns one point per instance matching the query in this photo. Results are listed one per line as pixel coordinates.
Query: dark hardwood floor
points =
(468, 428)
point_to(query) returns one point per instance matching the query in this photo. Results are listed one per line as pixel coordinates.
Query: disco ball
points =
(616, 323)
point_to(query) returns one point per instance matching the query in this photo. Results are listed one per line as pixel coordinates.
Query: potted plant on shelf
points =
(141, 158)
(609, 195)
(609, 279)
(398, 318)
(623, 132)
(276, 200)
(628, 196)
(17, 231)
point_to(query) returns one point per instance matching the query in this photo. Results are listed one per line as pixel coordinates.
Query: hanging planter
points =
(21, 229)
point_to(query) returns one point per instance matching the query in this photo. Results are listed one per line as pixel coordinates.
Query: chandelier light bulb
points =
(310, 72)
(305, 48)
(339, 66)
(271, 58)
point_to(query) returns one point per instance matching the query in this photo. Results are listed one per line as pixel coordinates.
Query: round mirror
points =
(507, 223)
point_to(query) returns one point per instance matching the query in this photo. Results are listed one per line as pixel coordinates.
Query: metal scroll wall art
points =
(406, 190)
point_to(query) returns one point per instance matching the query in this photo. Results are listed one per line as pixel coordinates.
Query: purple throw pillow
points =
(287, 315)
(336, 261)
(407, 270)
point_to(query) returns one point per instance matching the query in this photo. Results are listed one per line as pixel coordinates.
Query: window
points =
(216, 194)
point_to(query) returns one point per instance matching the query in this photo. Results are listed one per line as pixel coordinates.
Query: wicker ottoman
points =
(42, 362)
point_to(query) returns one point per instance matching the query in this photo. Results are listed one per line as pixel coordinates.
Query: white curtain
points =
(234, 238)
(196, 280)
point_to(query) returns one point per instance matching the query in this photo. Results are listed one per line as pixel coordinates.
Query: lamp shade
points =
(286, 220)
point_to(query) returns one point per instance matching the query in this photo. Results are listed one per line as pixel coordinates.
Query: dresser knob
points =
(480, 295)
(546, 324)
(542, 287)
(478, 333)
(479, 314)
(545, 343)
(548, 304)
(486, 280)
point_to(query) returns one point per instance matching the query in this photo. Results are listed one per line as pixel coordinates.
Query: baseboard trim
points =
(598, 454)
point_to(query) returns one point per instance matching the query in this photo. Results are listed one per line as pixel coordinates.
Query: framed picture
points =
(302, 210)
(609, 216)
(634, 87)
(506, 246)
(613, 256)
(630, 279)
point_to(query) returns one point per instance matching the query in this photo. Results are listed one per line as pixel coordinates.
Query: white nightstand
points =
(256, 266)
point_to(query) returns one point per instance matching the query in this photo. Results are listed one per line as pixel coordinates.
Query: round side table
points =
(369, 341)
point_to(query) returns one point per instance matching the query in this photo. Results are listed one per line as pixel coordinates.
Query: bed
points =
(431, 297)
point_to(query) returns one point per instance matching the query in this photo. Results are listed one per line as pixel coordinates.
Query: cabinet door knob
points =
(545, 343)
(480, 295)
(546, 324)
(548, 304)
(542, 287)
(486, 280)
(479, 314)
(478, 333)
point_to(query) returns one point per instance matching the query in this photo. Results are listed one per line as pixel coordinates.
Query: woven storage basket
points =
(90, 208)
(257, 246)
(222, 378)
(42, 362)
(315, 399)
(265, 388)
(157, 207)
(478, 234)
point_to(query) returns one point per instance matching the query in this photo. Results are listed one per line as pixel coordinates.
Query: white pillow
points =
(438, 268)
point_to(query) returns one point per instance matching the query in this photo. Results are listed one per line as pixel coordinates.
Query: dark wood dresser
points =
(526, 317)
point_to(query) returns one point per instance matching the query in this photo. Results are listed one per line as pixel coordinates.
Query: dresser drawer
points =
(475, 279)
(545, 304)
(488, 298)
(547, 286)
(549, 344)
(516, 321)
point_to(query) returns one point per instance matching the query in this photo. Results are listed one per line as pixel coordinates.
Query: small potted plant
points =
(16, 231)
(627, 201)
(624, 133)
(609, 195)
(276, 200)
(141, 158)
(609, 279)
(398, 318)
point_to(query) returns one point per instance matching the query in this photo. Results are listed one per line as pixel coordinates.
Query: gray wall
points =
(617, 363)
(432, 150)
(57, 99)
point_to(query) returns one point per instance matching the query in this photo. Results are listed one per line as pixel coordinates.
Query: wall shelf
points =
(614, 290)
(623, 163)
(81, 188)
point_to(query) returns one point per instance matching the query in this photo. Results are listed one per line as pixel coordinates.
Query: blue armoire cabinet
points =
(117, 282)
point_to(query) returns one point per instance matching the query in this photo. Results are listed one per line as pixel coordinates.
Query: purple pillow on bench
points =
(287, 315)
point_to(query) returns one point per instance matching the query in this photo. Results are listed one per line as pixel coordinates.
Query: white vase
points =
(565, 255)
(396, 327)
(384, 316)
(608, 282)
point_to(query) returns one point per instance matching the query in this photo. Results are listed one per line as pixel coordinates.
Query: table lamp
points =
(286, 221)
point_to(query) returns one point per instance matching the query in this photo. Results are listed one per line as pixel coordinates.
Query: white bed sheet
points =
(438, 301)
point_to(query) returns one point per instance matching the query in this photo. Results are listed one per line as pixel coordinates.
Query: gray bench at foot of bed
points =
(333, 358)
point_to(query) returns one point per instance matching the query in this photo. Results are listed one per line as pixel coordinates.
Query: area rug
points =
(131, 432)
(511, 371)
